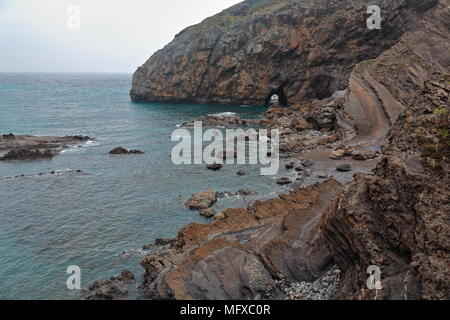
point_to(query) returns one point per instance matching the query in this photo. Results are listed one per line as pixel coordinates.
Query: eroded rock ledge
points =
(240, 255)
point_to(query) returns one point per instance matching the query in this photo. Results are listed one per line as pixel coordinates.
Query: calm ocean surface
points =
(101, 218)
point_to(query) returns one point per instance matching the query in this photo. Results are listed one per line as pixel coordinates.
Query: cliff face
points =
(300, 49)
(397, 218)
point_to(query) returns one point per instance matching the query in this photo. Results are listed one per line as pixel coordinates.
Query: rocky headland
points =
(350, 97)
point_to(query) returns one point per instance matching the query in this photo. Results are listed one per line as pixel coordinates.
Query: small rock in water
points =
(122, 150)
(241, 173)
(290, 165)
(243, 192)
(214, 166)
(338, 154)
(284, 181)
(321, 175)
(344, 168)
(307, 163)
(202, 200)
(207, 213)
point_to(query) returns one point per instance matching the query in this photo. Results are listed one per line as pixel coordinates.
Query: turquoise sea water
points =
(118, 203)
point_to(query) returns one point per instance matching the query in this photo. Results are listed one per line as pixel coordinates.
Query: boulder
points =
(207, 213)
(321, 175)
(344, 168)
(362, 155)
(307, 163)
(290, 165)
(214, 166)
(338, 154)
(284, 181)
(202, 200)
(122, 150)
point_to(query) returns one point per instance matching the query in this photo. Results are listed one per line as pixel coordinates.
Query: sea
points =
(98, 219)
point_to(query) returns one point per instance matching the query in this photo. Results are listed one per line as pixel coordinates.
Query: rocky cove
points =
(377, 99)
(363, 117)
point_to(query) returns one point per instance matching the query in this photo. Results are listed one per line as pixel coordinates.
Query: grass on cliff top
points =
(243, 10)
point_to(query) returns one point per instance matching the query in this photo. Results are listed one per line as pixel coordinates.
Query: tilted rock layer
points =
(398, 218)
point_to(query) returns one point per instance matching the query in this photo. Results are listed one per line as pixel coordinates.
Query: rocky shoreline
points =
(383, 104)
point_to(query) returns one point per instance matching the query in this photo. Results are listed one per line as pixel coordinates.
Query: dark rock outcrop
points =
(11, 141)
(112, 289)
(122, 150)
(214, 166)
(25, 154)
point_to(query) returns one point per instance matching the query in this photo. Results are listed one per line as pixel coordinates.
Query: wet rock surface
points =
(202, 200)
(25, 154)
(123, 151)
(219, 120)
(112, 289)
(36, 148)
(263, 241)
(214, 166)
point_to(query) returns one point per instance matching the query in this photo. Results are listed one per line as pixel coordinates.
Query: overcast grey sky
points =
(114, 35)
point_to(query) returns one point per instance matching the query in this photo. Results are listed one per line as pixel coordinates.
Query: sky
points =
(92, 35)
